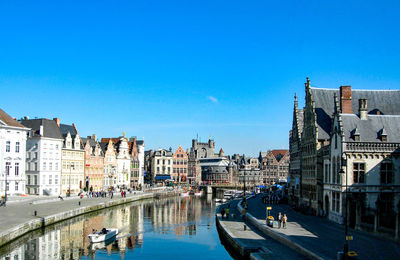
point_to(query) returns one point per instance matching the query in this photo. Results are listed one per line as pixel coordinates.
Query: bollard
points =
(79, 203)
(35, 213)
(244, 227)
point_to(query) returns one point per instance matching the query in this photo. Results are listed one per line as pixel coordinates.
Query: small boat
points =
(185, 194)
(103, 235)
(198, 193)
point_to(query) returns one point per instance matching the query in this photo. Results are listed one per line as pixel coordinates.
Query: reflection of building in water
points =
(136, 226)
(71, 240)
(17, 253)
(88, 226)
(44, 247)
(176, 212)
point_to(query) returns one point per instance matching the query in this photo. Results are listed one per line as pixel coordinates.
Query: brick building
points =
(180, 165)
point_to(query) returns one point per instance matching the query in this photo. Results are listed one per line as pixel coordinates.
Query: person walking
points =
(227, 213)
(279, 220)
(222, 213)
(284, 220)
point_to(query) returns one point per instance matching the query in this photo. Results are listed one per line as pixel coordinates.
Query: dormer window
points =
(356, 135)
(383, 135)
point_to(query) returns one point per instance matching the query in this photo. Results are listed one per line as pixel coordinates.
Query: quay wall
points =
(276, 236)
(7, 236)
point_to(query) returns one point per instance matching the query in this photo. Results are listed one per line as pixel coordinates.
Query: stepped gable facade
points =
(73, 159)
(294, 187)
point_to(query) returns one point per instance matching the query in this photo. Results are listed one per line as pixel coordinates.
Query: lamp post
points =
(71, 165)
(346, 244)
(5, 187)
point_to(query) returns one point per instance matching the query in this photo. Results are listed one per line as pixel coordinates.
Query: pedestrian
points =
(284, 220)
(222, 212)
(227, 213)
(112, 194)
(124, 194)
(279, 220)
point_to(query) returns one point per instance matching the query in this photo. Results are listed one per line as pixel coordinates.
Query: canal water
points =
(171, 228)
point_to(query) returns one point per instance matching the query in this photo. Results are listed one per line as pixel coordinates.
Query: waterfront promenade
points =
(321, 236)
(18, 217)
(249, 242)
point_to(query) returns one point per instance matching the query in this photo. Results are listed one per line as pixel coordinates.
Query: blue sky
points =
(169, 70)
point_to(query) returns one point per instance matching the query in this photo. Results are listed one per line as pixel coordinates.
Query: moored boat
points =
(185, 194)
(102, 235)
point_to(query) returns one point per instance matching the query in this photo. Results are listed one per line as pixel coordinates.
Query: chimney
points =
(362, 109)
(94, 137)
(345, 100)
(41, 130)
(57, 121)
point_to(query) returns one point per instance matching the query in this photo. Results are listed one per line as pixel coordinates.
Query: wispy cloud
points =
(213, 99)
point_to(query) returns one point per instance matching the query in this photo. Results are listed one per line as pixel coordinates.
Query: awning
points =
(163, 177)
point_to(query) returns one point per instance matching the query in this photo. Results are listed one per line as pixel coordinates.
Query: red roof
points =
(8, 119)
(279, 152)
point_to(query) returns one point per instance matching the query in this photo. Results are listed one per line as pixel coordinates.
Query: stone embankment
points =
(17, 219)
(243, 240)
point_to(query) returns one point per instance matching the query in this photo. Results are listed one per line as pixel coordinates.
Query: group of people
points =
(282, 220)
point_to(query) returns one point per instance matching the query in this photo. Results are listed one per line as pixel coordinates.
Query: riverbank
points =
(316, 237)
(18, 219)
(244, 241)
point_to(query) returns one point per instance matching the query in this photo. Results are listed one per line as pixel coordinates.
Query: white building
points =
(123, 163)
(12, 155)
(140, 145)
(162, 164)
(43, 157)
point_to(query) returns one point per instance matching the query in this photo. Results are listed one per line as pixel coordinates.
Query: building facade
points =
(94, 164)
(360, 173)
(275, 166)
(216, 171)
(162, 164)
(110, 165)
(345, 155)
(43, 157)
(12, 155)
(180, 165)
(73, 159)
(123, 160)
(197, 151)
(294, 180)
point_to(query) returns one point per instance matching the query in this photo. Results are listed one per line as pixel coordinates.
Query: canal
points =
(170, 228)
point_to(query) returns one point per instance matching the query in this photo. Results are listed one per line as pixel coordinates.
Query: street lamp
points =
(71, 165)
(5, 188)
(346, 244)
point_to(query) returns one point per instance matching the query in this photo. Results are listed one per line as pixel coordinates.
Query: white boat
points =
(199, 193)
(185, 194)
(103, 235)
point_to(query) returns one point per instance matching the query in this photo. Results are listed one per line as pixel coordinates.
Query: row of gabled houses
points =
(345, 156)
(202, 166)
(46, 157)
